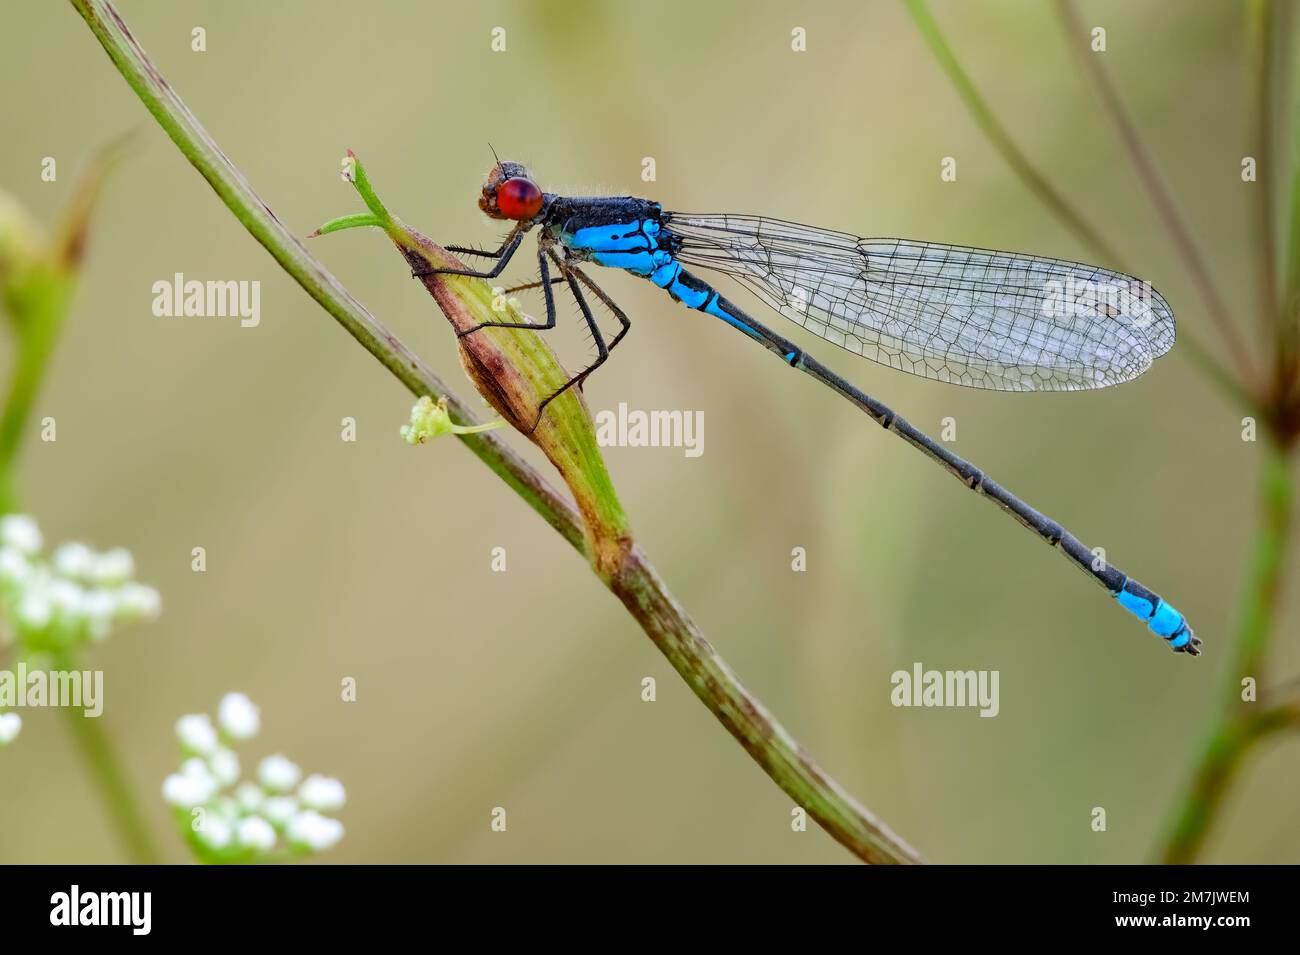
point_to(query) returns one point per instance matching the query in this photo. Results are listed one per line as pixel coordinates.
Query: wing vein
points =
(976, 317)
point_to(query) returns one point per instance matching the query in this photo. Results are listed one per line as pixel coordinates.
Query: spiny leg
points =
(597, 337)
(483, 253)
(609, 303)
(528, 285)
(503, 256)
(546, 283)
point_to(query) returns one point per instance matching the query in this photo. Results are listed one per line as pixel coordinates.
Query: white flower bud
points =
(196, 767)
(10, 724)
(112, 567)
(277, 774)
(73, 560)
(21, 533)
(249, 796)
(226, 808)
(311, 830)
(187, 791)
(136, 601)
(34, 610)
(254, 832)
(215, 831)
(224, 765)
(66, 597)
(280, 810)
(196, 734)
(98, 606)
(14, 568)
(238, 717)
(322, 793)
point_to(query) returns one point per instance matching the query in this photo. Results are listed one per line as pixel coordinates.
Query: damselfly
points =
(969, 316)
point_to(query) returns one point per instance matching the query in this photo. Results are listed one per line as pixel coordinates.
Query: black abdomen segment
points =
(1160, 617)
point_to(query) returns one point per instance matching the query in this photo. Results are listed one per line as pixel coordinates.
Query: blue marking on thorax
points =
(632, 246)
(614, 237)
(641, 263)
(621, 245)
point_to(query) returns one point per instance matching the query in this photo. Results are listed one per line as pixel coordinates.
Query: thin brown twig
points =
(1261, 136)
(1158, 192)
(1033, 179)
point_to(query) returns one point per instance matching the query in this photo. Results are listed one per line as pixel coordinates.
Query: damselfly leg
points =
(570, 275)
(546, 282)
(503, 256)
(608, 302)
(527, 286)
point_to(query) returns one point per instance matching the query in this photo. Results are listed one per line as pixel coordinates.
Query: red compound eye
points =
(519, 198)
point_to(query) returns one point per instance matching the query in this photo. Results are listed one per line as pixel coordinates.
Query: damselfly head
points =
(510, 193)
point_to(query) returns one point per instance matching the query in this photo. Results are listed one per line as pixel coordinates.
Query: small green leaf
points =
(354, 221)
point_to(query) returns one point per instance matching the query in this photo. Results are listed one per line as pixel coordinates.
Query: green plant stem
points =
(1154, 183)
(41, 303)
(631, 578)
(1260, 16)
(97, 752)
(1037, 183)
(788, 764)
(1289, 302)
(1241, 723)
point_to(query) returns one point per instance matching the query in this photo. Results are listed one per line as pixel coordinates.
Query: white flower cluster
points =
(10, 724)
(233, 821)
(74, 596)
(60, 602)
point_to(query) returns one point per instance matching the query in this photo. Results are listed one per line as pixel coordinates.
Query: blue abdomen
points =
(1160, 617)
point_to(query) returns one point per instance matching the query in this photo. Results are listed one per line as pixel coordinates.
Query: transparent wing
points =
(973, 317)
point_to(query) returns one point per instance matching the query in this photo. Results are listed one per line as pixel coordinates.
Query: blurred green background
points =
(372, 559)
